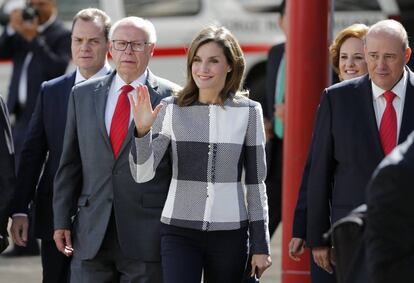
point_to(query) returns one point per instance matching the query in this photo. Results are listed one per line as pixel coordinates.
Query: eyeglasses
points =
(122, 45)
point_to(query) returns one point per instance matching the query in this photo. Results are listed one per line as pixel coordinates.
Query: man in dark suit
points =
(358, 122)
(390, 217)
(40, 51)
(115, 228)
(273, 111)
(275, 75)
(44, 141)
(7, 176)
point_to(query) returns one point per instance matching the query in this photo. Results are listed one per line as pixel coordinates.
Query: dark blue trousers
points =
(187, 253)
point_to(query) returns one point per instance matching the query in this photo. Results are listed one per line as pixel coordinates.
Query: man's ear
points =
(152, 48)
(108, 45)
(110, 48)
(407, 55)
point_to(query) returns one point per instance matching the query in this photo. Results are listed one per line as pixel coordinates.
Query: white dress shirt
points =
(102, 72)
(398, 102)
(114, 93)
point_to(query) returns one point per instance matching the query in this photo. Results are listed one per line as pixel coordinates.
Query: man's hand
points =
(63, 241)
(322, 257)
(261, 262)
(280, 112)
(268, 129)
(27, 29)
(19, 230)
(16, 20)
(144, 115)
(296, 248)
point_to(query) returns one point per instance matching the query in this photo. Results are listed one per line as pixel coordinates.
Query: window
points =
(161, 8)
(356, 5)
(67, 9)
(264, 6)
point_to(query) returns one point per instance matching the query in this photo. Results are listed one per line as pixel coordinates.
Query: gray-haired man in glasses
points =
(115, 231)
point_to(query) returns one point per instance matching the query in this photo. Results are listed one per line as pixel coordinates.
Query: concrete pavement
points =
(28, 269)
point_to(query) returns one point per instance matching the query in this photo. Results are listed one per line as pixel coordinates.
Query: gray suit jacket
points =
(90, 182)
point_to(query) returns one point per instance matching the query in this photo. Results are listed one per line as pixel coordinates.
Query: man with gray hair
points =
(115, 229)
(43, 144)
(359, 122)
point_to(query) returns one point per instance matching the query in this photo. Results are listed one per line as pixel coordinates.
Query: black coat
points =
(272, 67)
(346, 149)
(51, 56)
(7, 174)
(43, 146)
(390, 218)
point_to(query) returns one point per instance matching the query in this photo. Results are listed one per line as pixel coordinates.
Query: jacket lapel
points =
(60, 103)
(127, 141)
(69, 83)
(407, 121)
(152, 85)
(372, 122)
(100, 96)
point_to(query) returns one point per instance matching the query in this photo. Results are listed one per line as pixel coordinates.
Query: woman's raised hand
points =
(144, 115)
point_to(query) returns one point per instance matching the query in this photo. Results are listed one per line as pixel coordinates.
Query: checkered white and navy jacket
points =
(219, 167)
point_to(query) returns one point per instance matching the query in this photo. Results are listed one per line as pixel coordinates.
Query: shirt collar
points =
(44, 26)
(119, 82)
(102, 72)
(398, 89)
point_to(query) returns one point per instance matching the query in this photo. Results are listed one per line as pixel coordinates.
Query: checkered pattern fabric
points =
(219, 167)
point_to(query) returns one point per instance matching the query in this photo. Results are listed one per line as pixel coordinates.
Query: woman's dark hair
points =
(234, 55)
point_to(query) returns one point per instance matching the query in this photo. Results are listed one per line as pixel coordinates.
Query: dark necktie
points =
(120, 120)
(388, 126)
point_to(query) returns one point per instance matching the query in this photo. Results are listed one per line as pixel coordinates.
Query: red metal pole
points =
(307, 76)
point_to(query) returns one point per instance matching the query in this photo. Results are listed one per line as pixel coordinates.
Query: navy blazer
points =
(346, 150)
(43, 143)
(301, 208)
(272, 67)
(51, 56)
(7, 174)
(390, 217)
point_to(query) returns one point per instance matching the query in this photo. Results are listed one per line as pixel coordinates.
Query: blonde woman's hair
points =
(355, 30)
